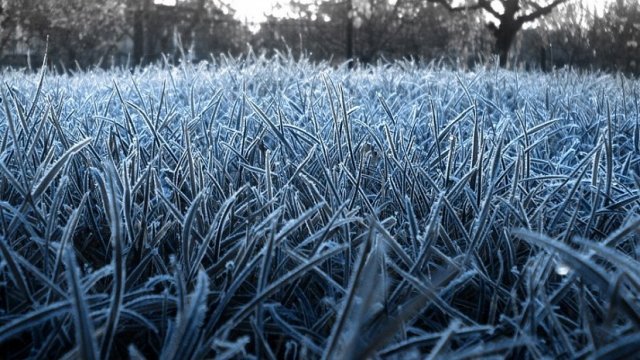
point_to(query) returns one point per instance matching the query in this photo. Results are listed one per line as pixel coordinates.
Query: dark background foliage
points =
(523, 33)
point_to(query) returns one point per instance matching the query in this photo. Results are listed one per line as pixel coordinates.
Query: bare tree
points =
(510, 14)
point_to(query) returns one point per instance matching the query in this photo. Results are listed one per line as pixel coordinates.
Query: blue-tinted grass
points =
(279, 208)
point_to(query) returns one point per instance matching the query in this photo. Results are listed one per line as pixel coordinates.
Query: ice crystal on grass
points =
(276, 208)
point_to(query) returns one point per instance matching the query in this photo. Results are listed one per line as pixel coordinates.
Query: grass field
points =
(278, 208)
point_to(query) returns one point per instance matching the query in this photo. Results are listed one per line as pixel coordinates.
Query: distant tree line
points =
(521, 33)
(115, 32)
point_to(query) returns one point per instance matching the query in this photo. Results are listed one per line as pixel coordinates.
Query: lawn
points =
(275, 208)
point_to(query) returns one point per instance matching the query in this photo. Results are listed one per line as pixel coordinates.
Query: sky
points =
(253, 10)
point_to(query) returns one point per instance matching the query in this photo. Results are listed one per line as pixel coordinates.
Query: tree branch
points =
(486, 5)
(539, 12)
(446, 4)
(481, 4)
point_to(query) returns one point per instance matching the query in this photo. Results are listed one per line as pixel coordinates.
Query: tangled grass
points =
(275, 208)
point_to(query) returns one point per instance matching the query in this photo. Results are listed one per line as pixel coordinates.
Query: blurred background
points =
(528, 34)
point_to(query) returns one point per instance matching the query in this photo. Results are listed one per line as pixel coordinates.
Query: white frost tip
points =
(562, 269)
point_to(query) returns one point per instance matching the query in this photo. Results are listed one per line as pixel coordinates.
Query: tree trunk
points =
(505, 34)
(138, 37)
(349, 33)
(140, 32)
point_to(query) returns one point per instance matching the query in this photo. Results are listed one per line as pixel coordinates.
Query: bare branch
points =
(539, 12)
(486, 5)
(480, 4)
(447, 5)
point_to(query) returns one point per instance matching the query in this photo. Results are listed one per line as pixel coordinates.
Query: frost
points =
(562, 268)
